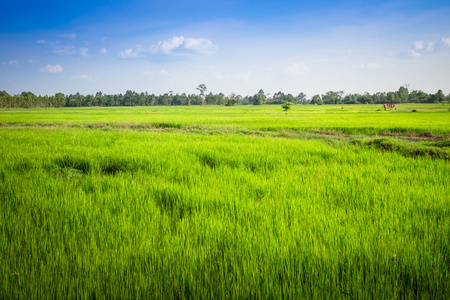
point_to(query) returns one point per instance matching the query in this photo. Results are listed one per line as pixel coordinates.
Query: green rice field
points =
(330, 202)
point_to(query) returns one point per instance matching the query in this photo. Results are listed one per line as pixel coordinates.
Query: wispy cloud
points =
(86, 77)
(297, 69)
(70, 50)
(176, 46)
(180, 43)
(83, 77)
(64, 50)
(199, 45)
(418, 49)
(103, 51)
(414, 54)
(419, 45)
(423, 46)
(14, 63)
(83, 52)
(369, 66)
(129, 53)
(40, 41)
(446, 41)
(168, 45)
(51, 69)
(68, 35)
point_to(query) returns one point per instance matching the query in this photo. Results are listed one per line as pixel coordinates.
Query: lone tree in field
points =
(202, 88)
(286, 106)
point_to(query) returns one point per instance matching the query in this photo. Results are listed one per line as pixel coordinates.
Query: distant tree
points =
(75, 100)
(242, 100)
(195, 99)
(230, 100)
(351, 99)
(316, 100)
(59, 100)
(440, 97)
(99, 99)
(365, 98)
(177, 100)
(302, 98)
(129, 98)
(88, 100)
(260, 98)
(202, 88)
(286, 106)
(5, 99)
(391, 97)
(212, 99)
(170, 97)
(332, 97)
(379, 97)
(402, 94)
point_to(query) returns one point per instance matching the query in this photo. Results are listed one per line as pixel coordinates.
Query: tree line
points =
(131, 98)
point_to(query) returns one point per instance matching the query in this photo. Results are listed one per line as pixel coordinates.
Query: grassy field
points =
(216, 202)
(367, 119)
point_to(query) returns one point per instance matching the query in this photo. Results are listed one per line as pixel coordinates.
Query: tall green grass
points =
(135, 214)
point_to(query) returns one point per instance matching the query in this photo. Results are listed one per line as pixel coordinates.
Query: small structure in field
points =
(390, 105)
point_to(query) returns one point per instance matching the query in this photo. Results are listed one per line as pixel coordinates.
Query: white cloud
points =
(417, 50)
(31, 61)
(86, 77)
(175, 45)
(83, 77)
(369, 66)
(14, 63)
(199, 45)
(52, 69)
(103, 51)
(446, 41)
(130, 53)
(70, 50)
(68, 35)
(83, 52)
(40, 41)
(147, 73)
(414, 54)
(169, 45)
(297, 69)
(419, 45)
(65, 50)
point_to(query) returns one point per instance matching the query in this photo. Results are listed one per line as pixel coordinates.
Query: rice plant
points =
(133, 213)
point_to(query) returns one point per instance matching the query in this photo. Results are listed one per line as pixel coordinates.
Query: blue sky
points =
(231, 46)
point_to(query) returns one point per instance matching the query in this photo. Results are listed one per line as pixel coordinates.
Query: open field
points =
(239, 202)
(367, 119)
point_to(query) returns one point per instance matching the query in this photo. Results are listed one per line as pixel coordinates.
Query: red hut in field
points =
(390, 105)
